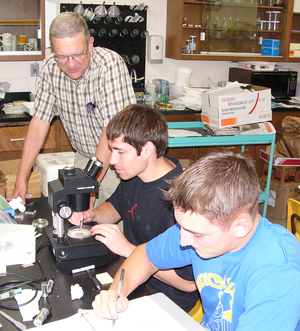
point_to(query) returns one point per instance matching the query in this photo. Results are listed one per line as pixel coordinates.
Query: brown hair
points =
(219, 186)
(139, 124)
(69, 24)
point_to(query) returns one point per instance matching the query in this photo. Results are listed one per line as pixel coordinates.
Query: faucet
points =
(133, 75)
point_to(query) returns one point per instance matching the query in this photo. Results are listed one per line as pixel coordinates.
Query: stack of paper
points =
(17, 244)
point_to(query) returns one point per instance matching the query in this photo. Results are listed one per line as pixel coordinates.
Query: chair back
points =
(293, 220)
(197, 312)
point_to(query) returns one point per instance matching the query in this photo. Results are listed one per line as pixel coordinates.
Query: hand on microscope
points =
(77, 217)
(86, 216)
(113, 238)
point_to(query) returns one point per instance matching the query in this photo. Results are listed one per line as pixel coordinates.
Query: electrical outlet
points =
(34, 69)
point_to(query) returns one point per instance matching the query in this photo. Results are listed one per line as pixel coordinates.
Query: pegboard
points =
(125, 34)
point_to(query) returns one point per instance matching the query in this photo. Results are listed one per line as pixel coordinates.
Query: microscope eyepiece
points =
(93, 167)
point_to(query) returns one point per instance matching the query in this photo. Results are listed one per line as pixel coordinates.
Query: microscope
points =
(71, 192)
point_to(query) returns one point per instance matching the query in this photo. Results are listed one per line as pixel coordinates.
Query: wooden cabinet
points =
(229, 30)
(27, 18)
(294, 27)
(13, 136)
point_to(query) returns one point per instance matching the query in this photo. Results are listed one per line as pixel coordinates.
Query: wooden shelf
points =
(25, 18)
(20, 22)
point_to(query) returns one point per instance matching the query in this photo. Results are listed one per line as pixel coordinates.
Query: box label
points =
(272, 198)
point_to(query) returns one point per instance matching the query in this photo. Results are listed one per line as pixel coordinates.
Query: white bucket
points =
(183, 76)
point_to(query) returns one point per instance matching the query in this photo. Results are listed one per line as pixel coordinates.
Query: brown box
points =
(10, 169)
(2, 184)
(282, 175)
(278, 197)
(186, 162)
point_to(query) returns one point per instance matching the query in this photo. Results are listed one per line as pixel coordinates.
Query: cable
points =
(25, 280)
(18, 283)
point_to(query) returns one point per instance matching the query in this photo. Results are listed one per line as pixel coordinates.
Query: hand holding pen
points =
(119, 288)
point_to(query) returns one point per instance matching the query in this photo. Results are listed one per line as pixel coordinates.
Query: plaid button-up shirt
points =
(105, 84)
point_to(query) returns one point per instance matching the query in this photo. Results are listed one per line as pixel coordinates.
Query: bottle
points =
(150, 96)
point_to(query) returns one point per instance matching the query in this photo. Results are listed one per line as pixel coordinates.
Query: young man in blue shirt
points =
(247, 269)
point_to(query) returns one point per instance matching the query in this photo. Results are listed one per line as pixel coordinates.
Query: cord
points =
(25, 280)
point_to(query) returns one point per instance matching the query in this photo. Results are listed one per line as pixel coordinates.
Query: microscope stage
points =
(73, 248)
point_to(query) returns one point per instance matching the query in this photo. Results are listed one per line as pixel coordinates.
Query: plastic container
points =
(183, 76)
(162, 90)
(150, 95)
(48, 166)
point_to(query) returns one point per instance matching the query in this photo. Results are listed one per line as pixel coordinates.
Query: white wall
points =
(18, 73)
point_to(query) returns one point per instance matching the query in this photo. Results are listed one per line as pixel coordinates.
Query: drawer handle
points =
(17, 139)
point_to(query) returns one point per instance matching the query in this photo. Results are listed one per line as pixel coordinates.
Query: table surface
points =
(60, 298)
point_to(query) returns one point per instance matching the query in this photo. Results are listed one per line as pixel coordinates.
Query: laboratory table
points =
(60, 298)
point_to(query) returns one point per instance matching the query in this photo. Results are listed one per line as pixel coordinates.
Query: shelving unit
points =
(240, 140)
(295, 33)
(21, 17)
(227, 30)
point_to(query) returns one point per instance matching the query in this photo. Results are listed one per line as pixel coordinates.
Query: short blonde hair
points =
(219, 186)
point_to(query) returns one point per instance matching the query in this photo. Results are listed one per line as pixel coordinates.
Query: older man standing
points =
(86, 87)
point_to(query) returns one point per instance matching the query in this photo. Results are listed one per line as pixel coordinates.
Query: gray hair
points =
(69, 24)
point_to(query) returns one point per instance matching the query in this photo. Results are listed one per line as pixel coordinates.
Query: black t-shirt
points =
(146, 214)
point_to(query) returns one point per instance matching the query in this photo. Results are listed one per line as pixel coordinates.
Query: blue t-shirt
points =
(254, 288)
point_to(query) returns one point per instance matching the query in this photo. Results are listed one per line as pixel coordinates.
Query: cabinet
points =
(294, 26)
(13, 136)
(230, 30)
(26, 18)
(240, 140)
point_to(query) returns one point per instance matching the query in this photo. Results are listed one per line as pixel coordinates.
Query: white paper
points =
(142, 314)
(31, 309)
(17, 243)
(183, 133)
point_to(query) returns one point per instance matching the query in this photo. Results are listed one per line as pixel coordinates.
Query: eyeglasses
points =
(63, 59)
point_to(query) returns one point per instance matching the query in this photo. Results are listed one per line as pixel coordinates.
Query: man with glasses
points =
(86, 87)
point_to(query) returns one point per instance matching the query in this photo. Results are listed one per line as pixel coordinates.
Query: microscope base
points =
(74, 249)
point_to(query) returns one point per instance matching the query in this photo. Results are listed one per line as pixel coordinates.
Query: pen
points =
(121, 280)
(90, 107)
(94, 280)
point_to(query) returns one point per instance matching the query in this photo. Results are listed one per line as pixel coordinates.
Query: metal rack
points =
(242, 140)
(125, 34)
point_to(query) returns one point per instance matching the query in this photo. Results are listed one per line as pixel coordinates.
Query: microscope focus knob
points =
(64, 211)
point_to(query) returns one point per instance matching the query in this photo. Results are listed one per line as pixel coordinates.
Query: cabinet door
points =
(23, 23)
(12, 138)
(228, 29)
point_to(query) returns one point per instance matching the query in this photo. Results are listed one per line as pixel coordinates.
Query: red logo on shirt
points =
(131, 211)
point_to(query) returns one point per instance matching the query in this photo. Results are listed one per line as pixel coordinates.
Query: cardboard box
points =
(269, 51)
(48, 166)
(10, 169)
(296, 6)
(272, 43)
(186, 163)
(278, 197)
(2, 184)
(294, 46)
(282, 175)
(33, 184)
(237, 109)
(294, 53)
(267, 66)
(280, 161)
